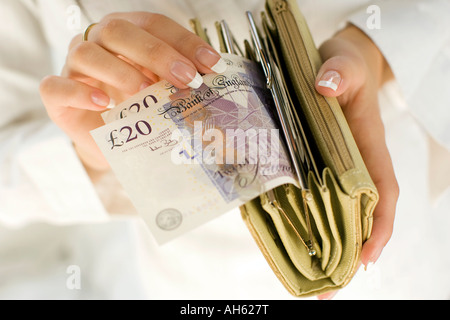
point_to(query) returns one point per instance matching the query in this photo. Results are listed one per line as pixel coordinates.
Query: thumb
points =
(338, 75)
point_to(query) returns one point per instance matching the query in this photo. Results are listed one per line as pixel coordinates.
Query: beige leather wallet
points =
(311, 237)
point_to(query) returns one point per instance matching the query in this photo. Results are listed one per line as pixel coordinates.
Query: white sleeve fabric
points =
(414, 37)
(41, 177)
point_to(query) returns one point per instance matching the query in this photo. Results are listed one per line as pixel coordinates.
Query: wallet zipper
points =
(304, 76)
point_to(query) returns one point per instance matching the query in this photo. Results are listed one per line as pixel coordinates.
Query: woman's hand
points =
(125, 53)
(353, 71)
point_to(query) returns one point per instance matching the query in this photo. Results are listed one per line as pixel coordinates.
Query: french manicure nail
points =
(220, 66)
(330, 79)
(196, 82)
(211, 59)
(100, 99)
(112, 104)
(186, 74)
(369, 266)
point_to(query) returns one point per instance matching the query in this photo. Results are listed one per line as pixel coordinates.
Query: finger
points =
(383, 223)
(124, 38)
(69, 104)
(204, 57)
(327, 296)
(341, 72)
(88, 59)
(59, 93)
(368, 130)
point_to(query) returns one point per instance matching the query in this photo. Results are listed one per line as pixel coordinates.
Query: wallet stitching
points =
(350, 260)
(334, 256)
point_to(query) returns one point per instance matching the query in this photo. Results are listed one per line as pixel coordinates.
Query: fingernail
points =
(186, 74)
(211, 59)
(144, 85)
(330, 79)
(112, 104)
(369, 266)
(100, 99)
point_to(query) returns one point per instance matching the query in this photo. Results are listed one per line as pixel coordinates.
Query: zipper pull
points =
(307, 196)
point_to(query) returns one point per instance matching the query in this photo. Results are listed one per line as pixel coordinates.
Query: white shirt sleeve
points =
(41, 177)
(414, 37)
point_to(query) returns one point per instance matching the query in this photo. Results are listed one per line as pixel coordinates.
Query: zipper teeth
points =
(321, 113)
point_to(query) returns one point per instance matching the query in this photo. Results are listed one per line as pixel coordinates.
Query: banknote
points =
(195, 154)
(141, 101)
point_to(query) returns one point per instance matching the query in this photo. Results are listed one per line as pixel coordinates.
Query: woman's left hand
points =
(353, 71)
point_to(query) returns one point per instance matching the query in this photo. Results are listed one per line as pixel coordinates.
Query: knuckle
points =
(110, 16)
(46, 84)
(156, 50)
(396, 190)
(152, 20)
(110, 27)
(128, 80)
(388, 235)
(80, 52)
(188, 38)
(75, 40)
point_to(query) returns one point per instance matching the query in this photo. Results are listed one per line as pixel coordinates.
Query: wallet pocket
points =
(292, 230)
(276, 221)
(322, 210)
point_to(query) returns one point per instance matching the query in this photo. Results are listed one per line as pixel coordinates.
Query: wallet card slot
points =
(282, 216)
(312, 160)
(320, 221)
(322, 195)
(275, 253)
(347, 219)
(288, 197)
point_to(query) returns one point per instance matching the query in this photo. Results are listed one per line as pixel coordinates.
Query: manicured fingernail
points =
(186, 74)
(220, 66)
(144, 85)
(100, 99)
(211, 59)
(369, 266)
(330, 79)
(112, 104)
(196, 82)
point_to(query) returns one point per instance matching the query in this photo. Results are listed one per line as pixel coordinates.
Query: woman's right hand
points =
(125, 53)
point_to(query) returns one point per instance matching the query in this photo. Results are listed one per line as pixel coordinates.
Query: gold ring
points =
(86, 32)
